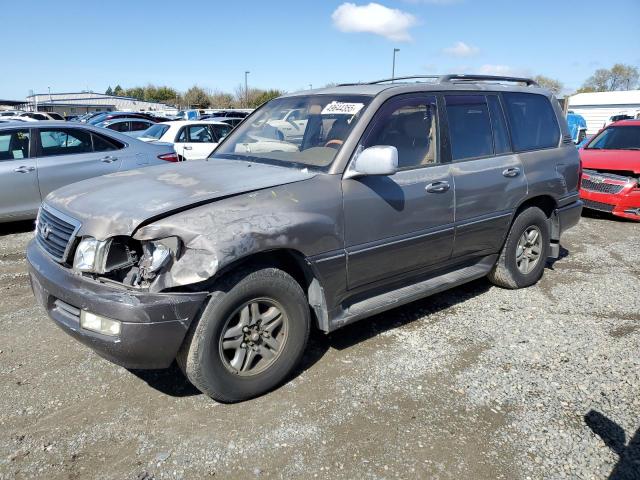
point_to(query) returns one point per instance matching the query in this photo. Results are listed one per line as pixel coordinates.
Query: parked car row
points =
(37, 158)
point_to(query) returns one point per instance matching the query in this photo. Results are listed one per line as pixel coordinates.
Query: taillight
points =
(169, 157)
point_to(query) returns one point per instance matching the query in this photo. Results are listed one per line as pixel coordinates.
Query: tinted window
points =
(62, 141)
(155, 131)
(119, 127)
(137, 126)
(57, 116)
(14, 144)
(469, 126)
(200, 134)
(533, 121)
(499, 126)
(617, 138)
(409, 124)
(182, 136)
(101, 144)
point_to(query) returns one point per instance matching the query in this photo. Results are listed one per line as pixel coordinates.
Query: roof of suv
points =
(435, 83)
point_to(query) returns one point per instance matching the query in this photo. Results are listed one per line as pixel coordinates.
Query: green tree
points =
(196, 97)
(619, 77)
(135, 92)
(109, 91)
(552, 84)
(118, 91)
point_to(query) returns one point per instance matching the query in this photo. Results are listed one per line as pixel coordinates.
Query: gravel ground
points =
(478, 382)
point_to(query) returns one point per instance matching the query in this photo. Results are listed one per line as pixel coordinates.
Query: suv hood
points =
(117, 204)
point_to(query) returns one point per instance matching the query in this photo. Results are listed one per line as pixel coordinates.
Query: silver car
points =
(39, 157)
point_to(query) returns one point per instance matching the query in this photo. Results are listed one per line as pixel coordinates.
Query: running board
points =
(395, 298)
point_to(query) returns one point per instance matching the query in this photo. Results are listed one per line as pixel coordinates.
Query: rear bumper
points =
(153, 324)
(624, 204)
(568, 216)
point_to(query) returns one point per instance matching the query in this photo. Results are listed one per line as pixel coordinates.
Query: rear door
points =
(19, 194)
(488, 176)
(67, 155)
(399, 224)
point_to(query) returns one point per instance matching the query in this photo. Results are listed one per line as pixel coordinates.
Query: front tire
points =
(524, 254)
(249, 338)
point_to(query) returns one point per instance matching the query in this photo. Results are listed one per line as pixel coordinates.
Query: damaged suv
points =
(393, 191)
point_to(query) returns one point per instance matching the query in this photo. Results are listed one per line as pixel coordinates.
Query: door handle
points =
(108, 159)
(511, 172)
(188, 148)
(24, 169)
(438, 187)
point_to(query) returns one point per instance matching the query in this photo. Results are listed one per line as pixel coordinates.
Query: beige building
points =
(85, 102)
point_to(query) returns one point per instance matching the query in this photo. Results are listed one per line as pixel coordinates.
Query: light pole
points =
(246, 89)
(393, 68)
(49, 94)
(310, 86)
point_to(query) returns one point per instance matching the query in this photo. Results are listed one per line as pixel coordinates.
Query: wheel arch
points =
(548, 204)
(295, 264)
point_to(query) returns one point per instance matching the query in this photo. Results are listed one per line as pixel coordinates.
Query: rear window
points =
(155, 131)
(533, 122)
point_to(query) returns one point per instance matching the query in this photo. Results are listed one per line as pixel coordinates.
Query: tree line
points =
(618, 77)
(197, 97)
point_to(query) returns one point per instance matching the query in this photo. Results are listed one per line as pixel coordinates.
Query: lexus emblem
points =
(45, 230)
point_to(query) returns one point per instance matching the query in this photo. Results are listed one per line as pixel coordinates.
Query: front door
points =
(19, 194)
(489, 178)
(402, 223)
(68, 155)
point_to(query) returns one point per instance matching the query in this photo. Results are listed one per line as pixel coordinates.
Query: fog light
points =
(99, 324)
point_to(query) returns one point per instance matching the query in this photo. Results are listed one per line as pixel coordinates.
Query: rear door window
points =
(139, 125)
(102, 144)
(119, 126)
(533, 122)
(469, 126)
(64, 141)
(14, 144)
(220, 131)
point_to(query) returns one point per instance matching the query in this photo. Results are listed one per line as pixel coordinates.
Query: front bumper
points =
(624, 204)
(153, 324)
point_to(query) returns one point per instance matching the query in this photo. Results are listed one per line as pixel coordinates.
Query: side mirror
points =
(377, 160)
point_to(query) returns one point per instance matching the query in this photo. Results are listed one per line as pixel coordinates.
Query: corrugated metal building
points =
(597, 107)
(84, 102)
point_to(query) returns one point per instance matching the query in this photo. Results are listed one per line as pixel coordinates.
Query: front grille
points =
(603, 207)
(55, 232)
(601, 187)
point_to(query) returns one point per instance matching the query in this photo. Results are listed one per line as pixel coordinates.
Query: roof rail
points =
(486, 78)
(449, 78)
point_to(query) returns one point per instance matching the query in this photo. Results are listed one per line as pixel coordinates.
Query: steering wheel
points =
(335, 142)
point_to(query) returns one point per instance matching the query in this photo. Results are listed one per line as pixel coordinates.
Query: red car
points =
(611, 170)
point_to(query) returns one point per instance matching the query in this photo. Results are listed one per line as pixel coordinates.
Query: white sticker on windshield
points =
(18, 154)
(342, 108)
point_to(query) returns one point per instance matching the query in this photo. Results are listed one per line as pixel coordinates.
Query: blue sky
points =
(75, 45)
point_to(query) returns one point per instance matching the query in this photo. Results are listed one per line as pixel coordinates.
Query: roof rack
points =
(450, 78)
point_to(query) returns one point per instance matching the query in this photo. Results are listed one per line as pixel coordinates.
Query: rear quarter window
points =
(533, 122)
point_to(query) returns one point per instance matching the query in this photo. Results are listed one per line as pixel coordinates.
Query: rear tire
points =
(524, 254)
(250, 336)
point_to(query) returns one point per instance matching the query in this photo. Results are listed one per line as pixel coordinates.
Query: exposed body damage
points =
(304, 217)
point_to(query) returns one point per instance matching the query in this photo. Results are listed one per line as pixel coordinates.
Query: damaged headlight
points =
(103, 256)
(89, 255)
(157, 254)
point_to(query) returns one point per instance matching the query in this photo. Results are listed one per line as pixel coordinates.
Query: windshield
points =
(617, 138)
(155, 131)
(303, 131)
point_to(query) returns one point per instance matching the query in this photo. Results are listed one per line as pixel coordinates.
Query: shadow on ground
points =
(612, 434)
(16, 227)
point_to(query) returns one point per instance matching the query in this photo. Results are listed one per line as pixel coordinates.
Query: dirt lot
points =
(477, 382)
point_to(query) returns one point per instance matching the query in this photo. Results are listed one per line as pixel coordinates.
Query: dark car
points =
(392, 192)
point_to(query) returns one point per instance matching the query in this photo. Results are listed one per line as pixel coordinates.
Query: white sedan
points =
(191, 139)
